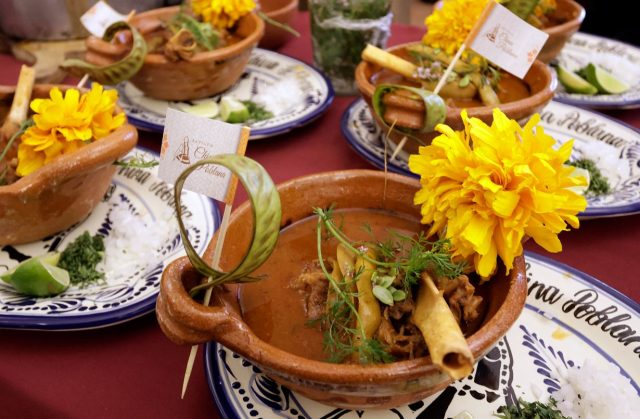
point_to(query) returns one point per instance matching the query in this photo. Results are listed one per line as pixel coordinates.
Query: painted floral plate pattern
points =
(129, 291)
(569, 318)
(294, 92)
(620, 59)
(613, 146)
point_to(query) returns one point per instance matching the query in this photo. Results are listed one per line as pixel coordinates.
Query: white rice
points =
(592, 392)
(135, 241)
(606, 160)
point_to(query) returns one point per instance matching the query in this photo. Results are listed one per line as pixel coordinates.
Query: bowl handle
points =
(184, 320)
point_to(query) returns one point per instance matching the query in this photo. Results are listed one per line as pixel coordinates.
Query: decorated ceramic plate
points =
(294, 92)
(141, 236)
(570, 318)
(620, 59)
(613, 146)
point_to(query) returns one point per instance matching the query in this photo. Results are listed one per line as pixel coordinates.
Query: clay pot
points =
(205, 74)
(64, 191)
(282, 11)
(540, 81)
(187, 322)
(570, 14)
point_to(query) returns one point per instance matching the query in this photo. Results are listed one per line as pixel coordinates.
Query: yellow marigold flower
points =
(222, 14)
(64, 123)
(487, 187)
(448, 26)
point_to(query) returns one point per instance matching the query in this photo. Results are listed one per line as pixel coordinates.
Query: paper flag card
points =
(507, 40)
(99, 17)
(188, 139)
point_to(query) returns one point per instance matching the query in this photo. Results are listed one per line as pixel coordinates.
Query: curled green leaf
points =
(265, 205)
(119, 71)
(434, 106)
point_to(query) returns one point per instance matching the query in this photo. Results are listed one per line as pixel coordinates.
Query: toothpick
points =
(83, 80)
(217, 253)
(399, 147)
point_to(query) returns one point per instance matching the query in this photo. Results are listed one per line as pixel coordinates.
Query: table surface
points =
(131, 370)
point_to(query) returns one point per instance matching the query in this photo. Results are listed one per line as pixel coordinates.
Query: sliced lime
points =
(573, 83)
(51, 258)
(604, 81)
(39, 277)
(233, 111)
(205, 109)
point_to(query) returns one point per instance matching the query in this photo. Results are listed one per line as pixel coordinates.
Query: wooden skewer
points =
(217, 253)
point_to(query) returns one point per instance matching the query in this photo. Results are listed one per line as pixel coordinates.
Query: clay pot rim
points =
(536, 100)
(217, 54)
(93, 156)
(266, 355)
(287, 8)
(570, 24)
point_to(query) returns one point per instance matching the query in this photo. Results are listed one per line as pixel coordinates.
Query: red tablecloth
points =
(132, 371)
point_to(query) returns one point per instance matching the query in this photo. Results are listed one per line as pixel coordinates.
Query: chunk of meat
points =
(459, 294)
(314, 287)
(402, 338)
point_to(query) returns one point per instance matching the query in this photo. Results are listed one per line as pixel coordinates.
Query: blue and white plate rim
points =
(221, 395)
(593, 101)
(98, 320)
(260, 133)
(376, 161)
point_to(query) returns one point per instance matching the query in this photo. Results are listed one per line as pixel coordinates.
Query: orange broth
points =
(274, 310)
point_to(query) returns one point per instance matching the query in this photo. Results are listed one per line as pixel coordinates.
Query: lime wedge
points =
(233, 111)
(206, 109)
(39, 277)
(604, 81)
(573, 83)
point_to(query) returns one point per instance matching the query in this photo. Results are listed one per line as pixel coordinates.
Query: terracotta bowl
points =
(540, 81)
(64, 191)
(204, 75)
(569, 15)
(282, 11)
(187, 322)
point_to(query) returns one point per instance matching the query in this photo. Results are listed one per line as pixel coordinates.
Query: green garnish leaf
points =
(117, 72)
(265, 204)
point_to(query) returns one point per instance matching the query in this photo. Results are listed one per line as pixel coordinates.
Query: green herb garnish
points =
(81, 257)
(257, 112)
(534, 410)
(598, 183)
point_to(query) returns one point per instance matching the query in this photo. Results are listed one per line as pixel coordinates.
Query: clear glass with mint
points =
(340, 30)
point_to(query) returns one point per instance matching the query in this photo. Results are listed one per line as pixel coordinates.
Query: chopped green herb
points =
(257, 112)
(598, 183)
(81, 257)
(534, 410)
